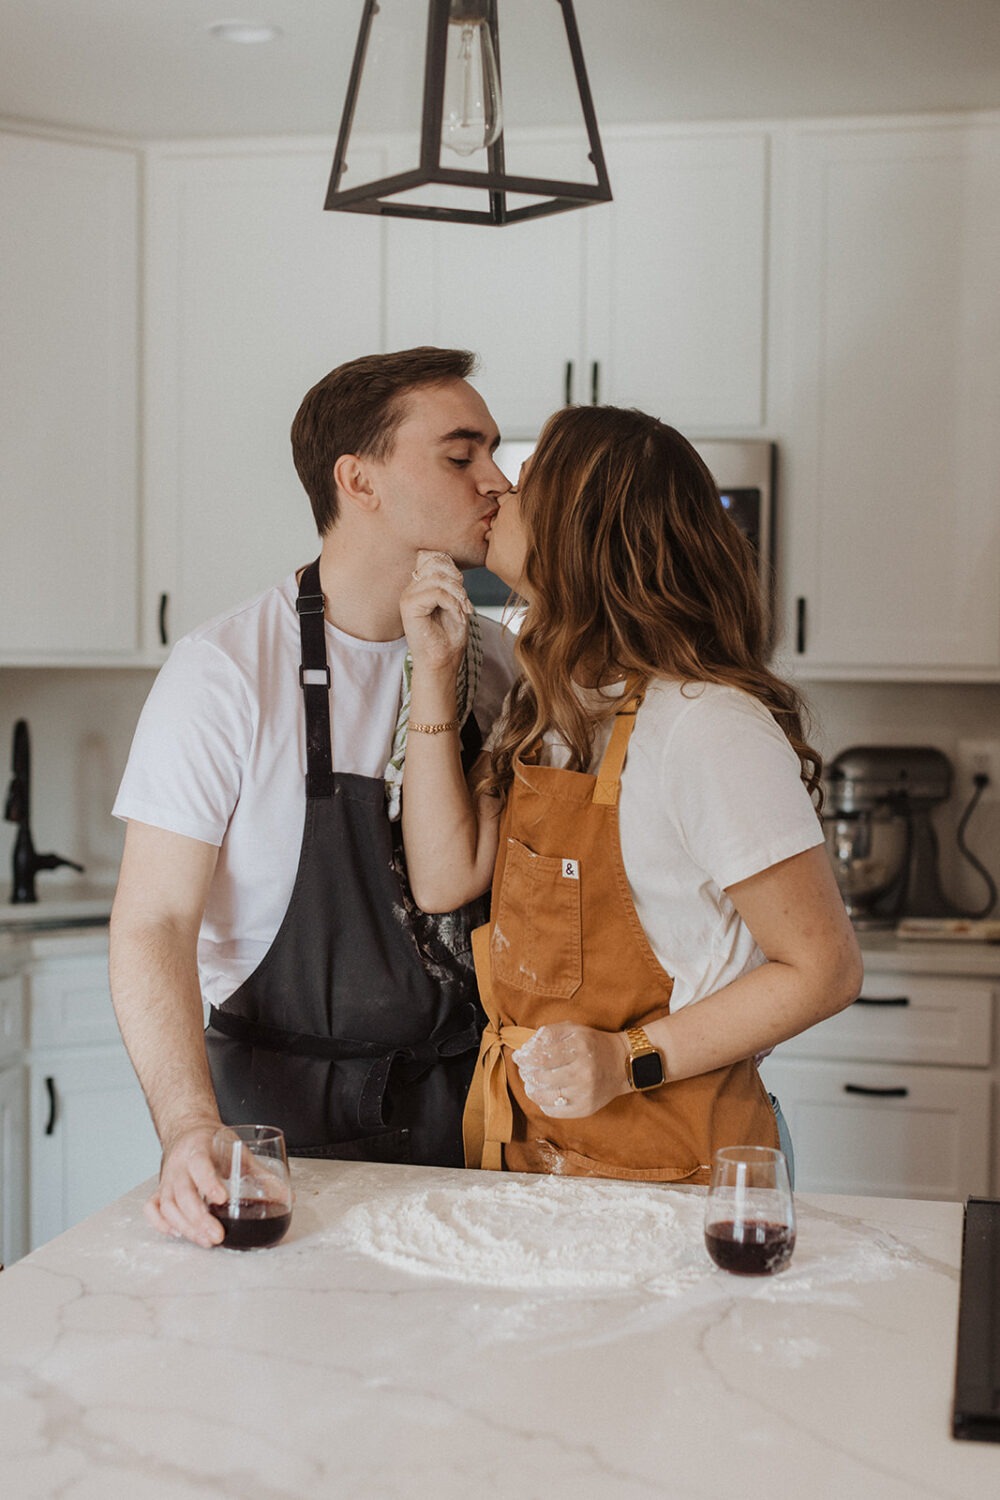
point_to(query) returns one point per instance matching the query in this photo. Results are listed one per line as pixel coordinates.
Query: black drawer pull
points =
(162, 621)
(800, 626)
(595, 383)
(880, 1000)
(568, 391)
(858, 1088)
(50, 1124)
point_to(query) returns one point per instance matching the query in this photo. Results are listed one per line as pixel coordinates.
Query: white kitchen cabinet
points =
(90, 1137)
(254, 293)
(677, 294)
(13, 1106)
(656, 300)
(890, 394)
(68, 439)
(895, 1095)
(515, 296)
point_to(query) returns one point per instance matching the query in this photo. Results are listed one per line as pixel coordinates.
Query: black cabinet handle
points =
(595, 383)
(857, 1088)
(568, 384)
(50, 1124)
(882, 1000)
(163, 619)
(800, 625)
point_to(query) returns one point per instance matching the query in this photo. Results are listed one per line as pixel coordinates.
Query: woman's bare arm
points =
(812, 970)
(450, 837)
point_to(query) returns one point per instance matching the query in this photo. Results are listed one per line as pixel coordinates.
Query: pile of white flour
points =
(570, 1234)
(532, 1235)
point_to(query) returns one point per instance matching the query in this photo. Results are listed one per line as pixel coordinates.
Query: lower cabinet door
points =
(13, 1164)
(91, 1137)
(896, 1132)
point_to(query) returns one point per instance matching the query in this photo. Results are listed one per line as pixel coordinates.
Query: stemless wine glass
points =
(749, 1212)
(253, 1165)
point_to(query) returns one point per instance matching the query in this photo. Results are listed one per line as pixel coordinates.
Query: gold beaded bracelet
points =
(434, 728)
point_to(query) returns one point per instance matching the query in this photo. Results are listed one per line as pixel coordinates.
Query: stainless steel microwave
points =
(744, 470)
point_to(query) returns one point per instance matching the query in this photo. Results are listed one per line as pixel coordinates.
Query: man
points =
(263, 864)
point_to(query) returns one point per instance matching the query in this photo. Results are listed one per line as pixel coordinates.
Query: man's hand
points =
(572, 1071)
(188, 1182)
(435, 610)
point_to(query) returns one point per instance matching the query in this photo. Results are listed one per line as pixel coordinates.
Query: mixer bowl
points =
(868, 851)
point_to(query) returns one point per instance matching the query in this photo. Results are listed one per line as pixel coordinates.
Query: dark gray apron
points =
(358, 1031)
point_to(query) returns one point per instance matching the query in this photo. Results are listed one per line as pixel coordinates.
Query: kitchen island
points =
(430, 1333)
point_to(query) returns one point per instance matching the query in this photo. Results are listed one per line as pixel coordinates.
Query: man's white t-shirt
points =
(711, 794)
(219, 755)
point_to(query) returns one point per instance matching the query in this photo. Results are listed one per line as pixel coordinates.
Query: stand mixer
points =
(879, 834)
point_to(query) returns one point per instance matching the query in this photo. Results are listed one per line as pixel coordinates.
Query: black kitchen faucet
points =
(26, 862)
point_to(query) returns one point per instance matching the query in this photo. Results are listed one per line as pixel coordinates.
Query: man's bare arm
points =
(162, 890)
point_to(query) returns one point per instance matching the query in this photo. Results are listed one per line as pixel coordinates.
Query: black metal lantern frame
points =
(379, 197)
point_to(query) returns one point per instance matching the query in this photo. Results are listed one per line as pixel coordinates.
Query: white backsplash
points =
(81, 723)
(893, 713)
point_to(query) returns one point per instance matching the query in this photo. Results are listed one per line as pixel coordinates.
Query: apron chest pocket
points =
(536, 941)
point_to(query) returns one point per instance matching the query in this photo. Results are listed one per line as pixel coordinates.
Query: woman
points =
(663, 909)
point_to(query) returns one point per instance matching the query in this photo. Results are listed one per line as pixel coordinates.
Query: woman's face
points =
(507, 542)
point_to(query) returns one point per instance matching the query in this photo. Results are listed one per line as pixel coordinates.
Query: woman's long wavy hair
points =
(632, 566)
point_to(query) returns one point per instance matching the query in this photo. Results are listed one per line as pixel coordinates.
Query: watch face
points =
(647, 1070)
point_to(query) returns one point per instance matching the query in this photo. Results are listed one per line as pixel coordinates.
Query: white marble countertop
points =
(386, 1350)
(69, 902)
(883, 951)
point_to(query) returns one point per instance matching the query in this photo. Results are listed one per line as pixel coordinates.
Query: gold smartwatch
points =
(644, 1065)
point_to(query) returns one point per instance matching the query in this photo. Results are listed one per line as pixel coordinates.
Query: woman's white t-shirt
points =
(711, 794)
(219, 755)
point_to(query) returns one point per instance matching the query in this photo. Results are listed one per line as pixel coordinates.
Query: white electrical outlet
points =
(975, 758)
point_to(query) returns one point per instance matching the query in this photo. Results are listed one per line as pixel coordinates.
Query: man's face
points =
(438, 488)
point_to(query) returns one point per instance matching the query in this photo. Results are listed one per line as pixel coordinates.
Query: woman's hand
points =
(572, 1071)
(435, 610)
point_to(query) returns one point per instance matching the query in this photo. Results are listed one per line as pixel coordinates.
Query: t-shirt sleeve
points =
(735, 782)
(190, 746)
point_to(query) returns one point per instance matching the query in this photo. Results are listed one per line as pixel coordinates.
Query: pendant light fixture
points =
(448, 157)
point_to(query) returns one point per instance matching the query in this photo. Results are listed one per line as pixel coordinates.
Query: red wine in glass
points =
(750, 1248)
(255, 1224)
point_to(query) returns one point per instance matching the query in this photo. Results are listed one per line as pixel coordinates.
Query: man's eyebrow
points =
(469, 435)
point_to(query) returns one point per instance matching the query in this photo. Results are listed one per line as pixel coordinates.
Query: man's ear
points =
(354, 482)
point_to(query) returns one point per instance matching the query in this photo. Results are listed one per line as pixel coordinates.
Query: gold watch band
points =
(638, 1041)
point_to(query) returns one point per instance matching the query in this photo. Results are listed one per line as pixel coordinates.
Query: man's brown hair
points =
(357, 409)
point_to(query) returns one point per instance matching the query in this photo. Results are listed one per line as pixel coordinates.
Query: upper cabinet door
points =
(254, 294)
(68, 442)
(515, 296)
(677, 279)
(891, 491)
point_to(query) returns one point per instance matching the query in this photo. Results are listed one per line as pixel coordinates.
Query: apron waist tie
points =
(410, 1062)
(489, 1120)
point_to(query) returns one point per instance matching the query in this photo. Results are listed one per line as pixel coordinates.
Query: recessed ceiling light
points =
(245, 31)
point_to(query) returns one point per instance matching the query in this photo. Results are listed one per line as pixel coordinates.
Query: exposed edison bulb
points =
(473, 111)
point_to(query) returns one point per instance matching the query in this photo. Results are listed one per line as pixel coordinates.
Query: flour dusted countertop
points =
(423, 1334)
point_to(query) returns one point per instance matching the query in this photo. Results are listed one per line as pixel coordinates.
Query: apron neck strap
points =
(612, 762)
(314, 679)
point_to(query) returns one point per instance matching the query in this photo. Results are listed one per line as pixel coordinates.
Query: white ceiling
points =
(149, 68)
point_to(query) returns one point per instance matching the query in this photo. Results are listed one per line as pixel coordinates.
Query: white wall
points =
(81, 724)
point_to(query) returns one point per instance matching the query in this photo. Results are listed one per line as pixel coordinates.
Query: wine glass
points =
(749, 1212)
(253, 1165)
